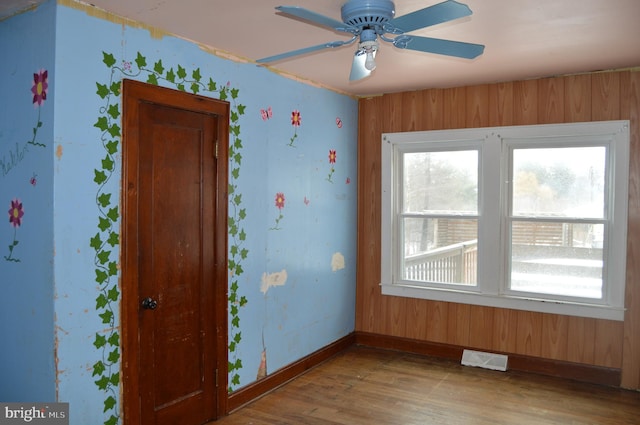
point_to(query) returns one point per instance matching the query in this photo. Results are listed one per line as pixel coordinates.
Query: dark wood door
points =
(175, 256)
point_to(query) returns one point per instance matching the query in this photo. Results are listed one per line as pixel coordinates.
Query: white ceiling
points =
(523, 38)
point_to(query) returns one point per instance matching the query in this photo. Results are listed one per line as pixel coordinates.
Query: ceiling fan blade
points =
(441, 47)
(304, 51)
(313, 17)
(358, 70)
(432, 15)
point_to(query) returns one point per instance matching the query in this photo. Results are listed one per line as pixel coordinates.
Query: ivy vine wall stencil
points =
(106, 369)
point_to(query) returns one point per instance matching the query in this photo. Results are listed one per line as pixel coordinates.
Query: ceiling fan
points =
(370, 20)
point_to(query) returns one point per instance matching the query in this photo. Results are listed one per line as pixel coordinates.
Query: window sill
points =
(510, 302)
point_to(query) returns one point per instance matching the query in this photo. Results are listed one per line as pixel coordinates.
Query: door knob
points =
(149, 303)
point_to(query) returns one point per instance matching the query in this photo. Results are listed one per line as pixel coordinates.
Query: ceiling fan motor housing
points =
(367, 13)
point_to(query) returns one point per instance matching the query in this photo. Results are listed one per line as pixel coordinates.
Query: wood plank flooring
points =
(366, 386)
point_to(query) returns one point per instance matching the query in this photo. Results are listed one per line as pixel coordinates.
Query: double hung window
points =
(526, 217)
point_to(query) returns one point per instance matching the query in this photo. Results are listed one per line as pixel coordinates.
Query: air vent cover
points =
(485, 360)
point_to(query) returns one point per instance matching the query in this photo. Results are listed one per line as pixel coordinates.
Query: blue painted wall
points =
(293, 204)
(27, 365)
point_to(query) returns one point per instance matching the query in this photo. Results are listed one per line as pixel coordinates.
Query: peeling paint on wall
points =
(262, 369)
(273, 279)
(96, 12)
(337, 262)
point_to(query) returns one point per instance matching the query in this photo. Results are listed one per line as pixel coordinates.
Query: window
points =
(525, 217)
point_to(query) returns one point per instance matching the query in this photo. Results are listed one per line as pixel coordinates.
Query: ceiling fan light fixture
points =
(369, 45)
(370, 62)
(369, 48)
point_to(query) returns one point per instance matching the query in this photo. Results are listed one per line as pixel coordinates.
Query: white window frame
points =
(493, 144)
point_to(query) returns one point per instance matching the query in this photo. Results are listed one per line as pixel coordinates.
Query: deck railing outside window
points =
(455, 263)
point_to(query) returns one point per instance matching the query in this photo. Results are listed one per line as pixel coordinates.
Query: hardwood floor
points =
(366, 386)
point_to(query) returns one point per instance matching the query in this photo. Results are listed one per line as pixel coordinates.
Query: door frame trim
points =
(134, 92)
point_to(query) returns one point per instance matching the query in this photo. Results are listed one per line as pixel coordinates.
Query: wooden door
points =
(174, 256)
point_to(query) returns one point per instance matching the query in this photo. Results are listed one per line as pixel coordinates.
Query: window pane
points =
(563, 182)
(440, 182)
(440, 250)
(557, 258)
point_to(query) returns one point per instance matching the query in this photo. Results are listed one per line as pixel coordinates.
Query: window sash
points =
(453, 264)
(582, 264)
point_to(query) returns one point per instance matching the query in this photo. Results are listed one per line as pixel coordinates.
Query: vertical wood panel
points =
(631, 346)
(528, 334)
(605, 90)
(501, 104)
(525, 102)
(505, 330)
(608, 350)
(554, 336)
(394, 316)
(481, 327)
(379, 323)
(437, 313)
(477, 106)
(412, 111)
(581, 340)
(551, 101)
(433, 106)
(394, 115)
(416, 324)
(577, 94)
(454, 106)
(370, 128)
(458, 324)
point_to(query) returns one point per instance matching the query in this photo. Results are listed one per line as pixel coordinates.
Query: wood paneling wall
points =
(588, 97)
